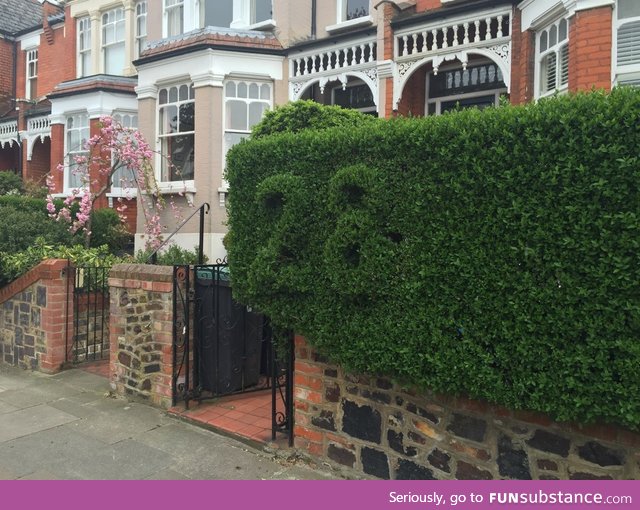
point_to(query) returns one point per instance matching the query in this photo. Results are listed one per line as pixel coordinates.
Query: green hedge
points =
(493, 254)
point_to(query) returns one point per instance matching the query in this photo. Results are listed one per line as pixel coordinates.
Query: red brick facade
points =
(590, 37)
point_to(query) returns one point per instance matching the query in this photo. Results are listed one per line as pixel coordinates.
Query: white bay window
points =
(552, 58)
(176, 132)
(76, 137)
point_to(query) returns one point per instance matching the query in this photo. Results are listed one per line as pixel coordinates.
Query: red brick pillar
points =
(57, 316)
(522, 62)
(98, 178)
(57, 155)
(590, 40)
(387, 13)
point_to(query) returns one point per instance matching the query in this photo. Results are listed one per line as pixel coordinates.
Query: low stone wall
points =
(141, 334)
(34, 322)
(375, 427)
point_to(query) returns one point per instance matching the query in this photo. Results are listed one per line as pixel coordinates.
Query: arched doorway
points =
(477, 83)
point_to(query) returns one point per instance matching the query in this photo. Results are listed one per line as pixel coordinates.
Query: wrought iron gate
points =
(221, 347)
(88, 301)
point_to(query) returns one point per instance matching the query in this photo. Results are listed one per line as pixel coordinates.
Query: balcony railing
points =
(8, 132)
(453, 36)
(334, 59)
(39, 125)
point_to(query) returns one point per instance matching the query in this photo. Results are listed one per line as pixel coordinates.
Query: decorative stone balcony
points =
(486, 34)
(334, 63)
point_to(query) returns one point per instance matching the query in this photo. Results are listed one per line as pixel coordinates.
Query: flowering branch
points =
(115, 148)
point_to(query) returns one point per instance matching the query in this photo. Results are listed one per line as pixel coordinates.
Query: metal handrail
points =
(203, 209)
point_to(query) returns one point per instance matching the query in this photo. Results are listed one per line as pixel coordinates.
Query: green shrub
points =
(301, 115)
(173, 255)
(10, 182)
(107, 229)
(493, 254)
(13, 265)
(19, 227)
(34, 204)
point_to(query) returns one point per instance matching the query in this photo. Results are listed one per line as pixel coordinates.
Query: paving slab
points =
(68, 427)
(33, 419)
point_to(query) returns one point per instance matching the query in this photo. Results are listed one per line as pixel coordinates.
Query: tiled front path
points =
(245, 416)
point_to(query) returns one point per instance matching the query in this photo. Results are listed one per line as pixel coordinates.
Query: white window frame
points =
(244, 15)
(252, 14)
(244, 133)
(84, 52)
(623, 73)
(167, 7)
(113, 20)
(357, 83)
(140, 32)
(70, 152)
(161, 160)
(343, 6)
(32, 73)
(127, 120)
(557, 49)
(497, 92)
(342, 23)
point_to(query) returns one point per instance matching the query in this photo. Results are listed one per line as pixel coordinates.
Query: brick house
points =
(196, 75)
(68, 64)
(213, 67)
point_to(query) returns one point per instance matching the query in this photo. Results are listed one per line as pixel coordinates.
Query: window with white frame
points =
(174, 17)
(32, 74)
(123, 177)
(216, 13)
(113, 41)
(352, 9)
(176, 132)
(477, 86)
(355, 96)
(84, 47)
(76, 136)
(245, 103)
(141, 27)
(627, 26)
(261, 10)
(552, 58)
(220, 13)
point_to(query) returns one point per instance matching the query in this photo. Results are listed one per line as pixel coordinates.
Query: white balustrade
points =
(334, 60)
(39, 125)
(8, 132)
(458, 34)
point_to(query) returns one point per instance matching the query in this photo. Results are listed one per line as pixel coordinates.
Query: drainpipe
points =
(14, 87)
(314, 11)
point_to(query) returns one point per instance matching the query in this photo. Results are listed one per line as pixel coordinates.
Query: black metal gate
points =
(88, 300)
(221, 347)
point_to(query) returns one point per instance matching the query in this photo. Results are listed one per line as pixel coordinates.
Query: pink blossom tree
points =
(115, 148)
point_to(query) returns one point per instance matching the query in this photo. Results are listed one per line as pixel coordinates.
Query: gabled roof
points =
(18, 16)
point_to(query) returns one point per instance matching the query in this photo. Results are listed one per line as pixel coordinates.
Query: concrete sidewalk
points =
(67, 426)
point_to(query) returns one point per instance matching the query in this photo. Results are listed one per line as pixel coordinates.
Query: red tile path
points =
(247, 415)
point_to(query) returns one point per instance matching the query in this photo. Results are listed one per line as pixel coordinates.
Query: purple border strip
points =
(320, 495)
